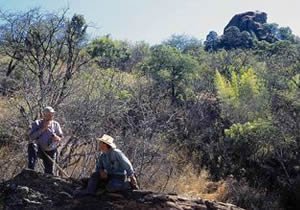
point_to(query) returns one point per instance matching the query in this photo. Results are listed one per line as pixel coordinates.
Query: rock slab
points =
(33, 190)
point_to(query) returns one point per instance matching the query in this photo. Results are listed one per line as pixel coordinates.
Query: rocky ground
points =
(33, 190)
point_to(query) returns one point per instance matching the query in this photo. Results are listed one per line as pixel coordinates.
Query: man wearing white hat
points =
(113, 169)
(45, 135)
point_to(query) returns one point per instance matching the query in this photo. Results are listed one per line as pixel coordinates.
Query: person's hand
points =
(134, 186)
(55, 137)
(133, 183)
(103, 174)
(45, 125)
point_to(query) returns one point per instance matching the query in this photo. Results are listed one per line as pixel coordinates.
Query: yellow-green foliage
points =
(227, 92)
(108, 83)
(294, 84)
(249, 84)
(244, 96)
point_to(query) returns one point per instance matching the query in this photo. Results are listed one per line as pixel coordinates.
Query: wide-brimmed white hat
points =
(107, 140)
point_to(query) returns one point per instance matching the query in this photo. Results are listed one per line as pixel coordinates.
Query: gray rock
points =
(53, 193)
(252, 22)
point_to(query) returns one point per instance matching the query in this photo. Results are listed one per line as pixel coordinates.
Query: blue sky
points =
(156, 20)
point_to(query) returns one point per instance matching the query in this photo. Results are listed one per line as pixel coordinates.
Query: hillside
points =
(33, 190)
(218, 120)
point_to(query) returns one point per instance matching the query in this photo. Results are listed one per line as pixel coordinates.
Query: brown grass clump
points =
(191, 184)
(4, 108)
(12, 162)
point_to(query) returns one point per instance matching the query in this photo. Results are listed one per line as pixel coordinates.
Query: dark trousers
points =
(114, 183)
(35, 152)
(95, 182)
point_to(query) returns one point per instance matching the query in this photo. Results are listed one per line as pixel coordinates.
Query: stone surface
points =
(33, 190)
(252, 22)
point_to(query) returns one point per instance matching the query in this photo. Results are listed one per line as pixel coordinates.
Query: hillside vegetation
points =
(220, 113)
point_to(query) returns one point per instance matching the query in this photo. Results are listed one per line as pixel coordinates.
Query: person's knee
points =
(95, 175)
(32, 155)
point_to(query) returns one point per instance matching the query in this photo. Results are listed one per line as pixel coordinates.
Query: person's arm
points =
(133, 182)
(58, 135)
(126, 164)
(100, 168)
(37, 130)
(58, 130)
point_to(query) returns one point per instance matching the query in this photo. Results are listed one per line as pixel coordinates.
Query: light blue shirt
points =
(114, 162)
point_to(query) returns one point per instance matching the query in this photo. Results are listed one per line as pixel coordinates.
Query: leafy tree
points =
(286, 34)
(109, 53)
(182, 42)
(233, 38)
(281, 61)
(248, 148)
(276, 33)
(172, 71)
(138, 53)
(243, 98)
(212, 42)
(272, 32)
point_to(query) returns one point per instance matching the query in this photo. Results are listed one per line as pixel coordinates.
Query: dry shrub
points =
(11, 153)
(185, 180)
(245, 196)
(78, 162)
(177, 174)
(192, 184)
(12, 161)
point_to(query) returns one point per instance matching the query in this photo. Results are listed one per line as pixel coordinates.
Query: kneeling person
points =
(112, 170)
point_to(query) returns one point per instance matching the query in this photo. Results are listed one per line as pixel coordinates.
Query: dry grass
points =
(195, 185)
(11, 161)
(178, 175)
(4, 108)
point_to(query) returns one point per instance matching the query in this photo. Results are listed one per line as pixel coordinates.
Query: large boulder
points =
(253, 22)
(33, 190)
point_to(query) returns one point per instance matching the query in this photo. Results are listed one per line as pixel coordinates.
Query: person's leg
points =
(48, 163)
(84, 182)
(32, 155)
(117, 183)
(93, 183)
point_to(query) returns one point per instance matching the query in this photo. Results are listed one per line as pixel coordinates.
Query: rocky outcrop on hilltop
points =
(255, 23)
(33, 190)
(246, 30)
(250, 22)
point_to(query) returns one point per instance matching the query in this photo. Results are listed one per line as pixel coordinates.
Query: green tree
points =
(248, 147)
(243, 98)
(109, 53)
(172, 71)
(233, 38)
(212, 42)
(182, 42)
(138, 53)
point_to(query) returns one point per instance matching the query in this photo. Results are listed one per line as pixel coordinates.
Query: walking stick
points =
(59, 168)
(62, 170)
